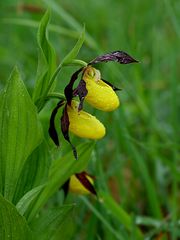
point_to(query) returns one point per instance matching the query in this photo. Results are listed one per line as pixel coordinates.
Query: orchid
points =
(80, 183)
(99, 93)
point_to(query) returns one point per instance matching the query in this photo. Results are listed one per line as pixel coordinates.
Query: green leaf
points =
(148, 221)
(74, 52)
(24, 203)
(46, 62)
(20, 132)
(72, 22)
(12, 224)
(45, 81)
(67, 229)
(60, 171)
(68, 59)
(35, 171)
(50, 222)
(35, 24)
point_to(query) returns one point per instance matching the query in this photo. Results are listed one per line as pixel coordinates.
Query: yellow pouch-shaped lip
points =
(100, 95)
(77, 187)
(84, 124)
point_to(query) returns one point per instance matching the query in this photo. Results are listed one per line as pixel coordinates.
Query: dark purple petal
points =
(111, 85)
(116, 56)
(68, 91)
(65, 130)
(82, 177)
(52, 130)
(81, 91)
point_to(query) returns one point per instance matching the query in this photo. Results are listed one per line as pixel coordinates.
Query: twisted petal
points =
(116, 56)
(52, 130)
(84, 124)
(65, 130)
(69, 88)
(100, 94)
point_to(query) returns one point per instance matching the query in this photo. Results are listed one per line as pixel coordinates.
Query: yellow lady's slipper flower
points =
(81, 183)
(84, 124)
(100, 95)
(96, 91)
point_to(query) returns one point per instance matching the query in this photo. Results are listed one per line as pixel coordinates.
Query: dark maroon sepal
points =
(116, 56)
(82, 177)
(81, 91)
(68, 91)
(111, 85)
(65, 130)
(52, 130)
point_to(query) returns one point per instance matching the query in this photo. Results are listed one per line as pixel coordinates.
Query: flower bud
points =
(100, 95)
(84, 124)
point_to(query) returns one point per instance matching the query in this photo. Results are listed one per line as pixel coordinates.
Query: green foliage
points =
(12, 224)
(59, 172)
(47, 71)
(70, 21)
(136, 164)
(119, 213)
(28, 177)
(25, 202)
(46, 62)
(51, 220)
(20, 131)
(35, 171)
(74, 52)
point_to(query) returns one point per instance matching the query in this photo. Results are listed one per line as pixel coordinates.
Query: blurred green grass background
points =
(138, 162)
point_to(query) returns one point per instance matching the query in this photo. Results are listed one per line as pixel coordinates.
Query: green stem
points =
(73, 62)
(48, 95)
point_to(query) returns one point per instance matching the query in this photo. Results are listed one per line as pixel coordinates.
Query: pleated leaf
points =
(12, 224)
(50, 222)
(67, 228)
(20, 132)
(35, 171)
